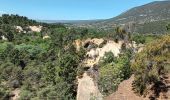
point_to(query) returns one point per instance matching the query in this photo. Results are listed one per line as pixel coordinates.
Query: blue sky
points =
(68, 9)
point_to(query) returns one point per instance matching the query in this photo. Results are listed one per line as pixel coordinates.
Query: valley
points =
(122, 58)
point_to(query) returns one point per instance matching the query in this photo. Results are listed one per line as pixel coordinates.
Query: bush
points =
(4, 92)
(139, 38)
(149, 64)
(58, 91)
(108, 58)
(103, 43)
(113, 72)
(26, 95)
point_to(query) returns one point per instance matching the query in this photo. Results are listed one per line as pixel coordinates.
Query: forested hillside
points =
(144, 19)
(40, 68)
(43, 61)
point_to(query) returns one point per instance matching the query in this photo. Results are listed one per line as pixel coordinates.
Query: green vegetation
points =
(168, 27)
(144, 38)
(155, 27)
(16, 20)
(140, 20)
(47, 68)
(40, 68)
(150, 64)
(113, 71)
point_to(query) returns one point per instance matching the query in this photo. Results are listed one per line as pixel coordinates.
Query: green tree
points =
(50, 73)
(113, 71)
(168, 27)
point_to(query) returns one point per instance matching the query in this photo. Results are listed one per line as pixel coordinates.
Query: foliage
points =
(121, 34)
(155, 27)
(16, 20)
(4, 93)
(113, 71)
(168, 27)
(103, 43)
(47, 68)
(139, 38)
(144, 38)
(39, 68)
(149, 65)
(108, 58)
(26, 95)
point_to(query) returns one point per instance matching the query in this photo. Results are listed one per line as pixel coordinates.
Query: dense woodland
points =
(47, 68)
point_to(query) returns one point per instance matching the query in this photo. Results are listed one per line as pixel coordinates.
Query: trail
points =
(125, 91)
(88, 89)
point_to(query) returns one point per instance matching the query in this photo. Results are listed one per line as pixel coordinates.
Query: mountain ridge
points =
(148, 18)
(148, 12)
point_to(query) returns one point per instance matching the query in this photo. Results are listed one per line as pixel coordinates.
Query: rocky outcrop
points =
(35, 28)
(94, 40)
(87, 89)
(15, 94)
(110, 46)
(88, 43)
(87, 84)
(4, 38)
(78, 44)
(46, 37)
(19, 29)
(31, 28)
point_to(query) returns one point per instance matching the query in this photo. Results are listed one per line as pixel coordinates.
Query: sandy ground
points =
(16, 93)
(87, 89)
(125, 91)
(36, 28)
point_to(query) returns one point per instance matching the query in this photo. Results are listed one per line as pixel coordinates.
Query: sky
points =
(68, 9)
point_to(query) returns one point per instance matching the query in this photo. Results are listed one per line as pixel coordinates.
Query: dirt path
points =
(87, 89)
(125, 92)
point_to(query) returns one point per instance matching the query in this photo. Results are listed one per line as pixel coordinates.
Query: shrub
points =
(103, 43)
(113, 72)
(149, 64)
(26, 95)
(108, 58)
(4, 92)
(52, 92)
(139, 38)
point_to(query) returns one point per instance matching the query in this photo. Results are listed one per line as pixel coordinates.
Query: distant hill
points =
(149, 18)
(154, 11)
(71, 21)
